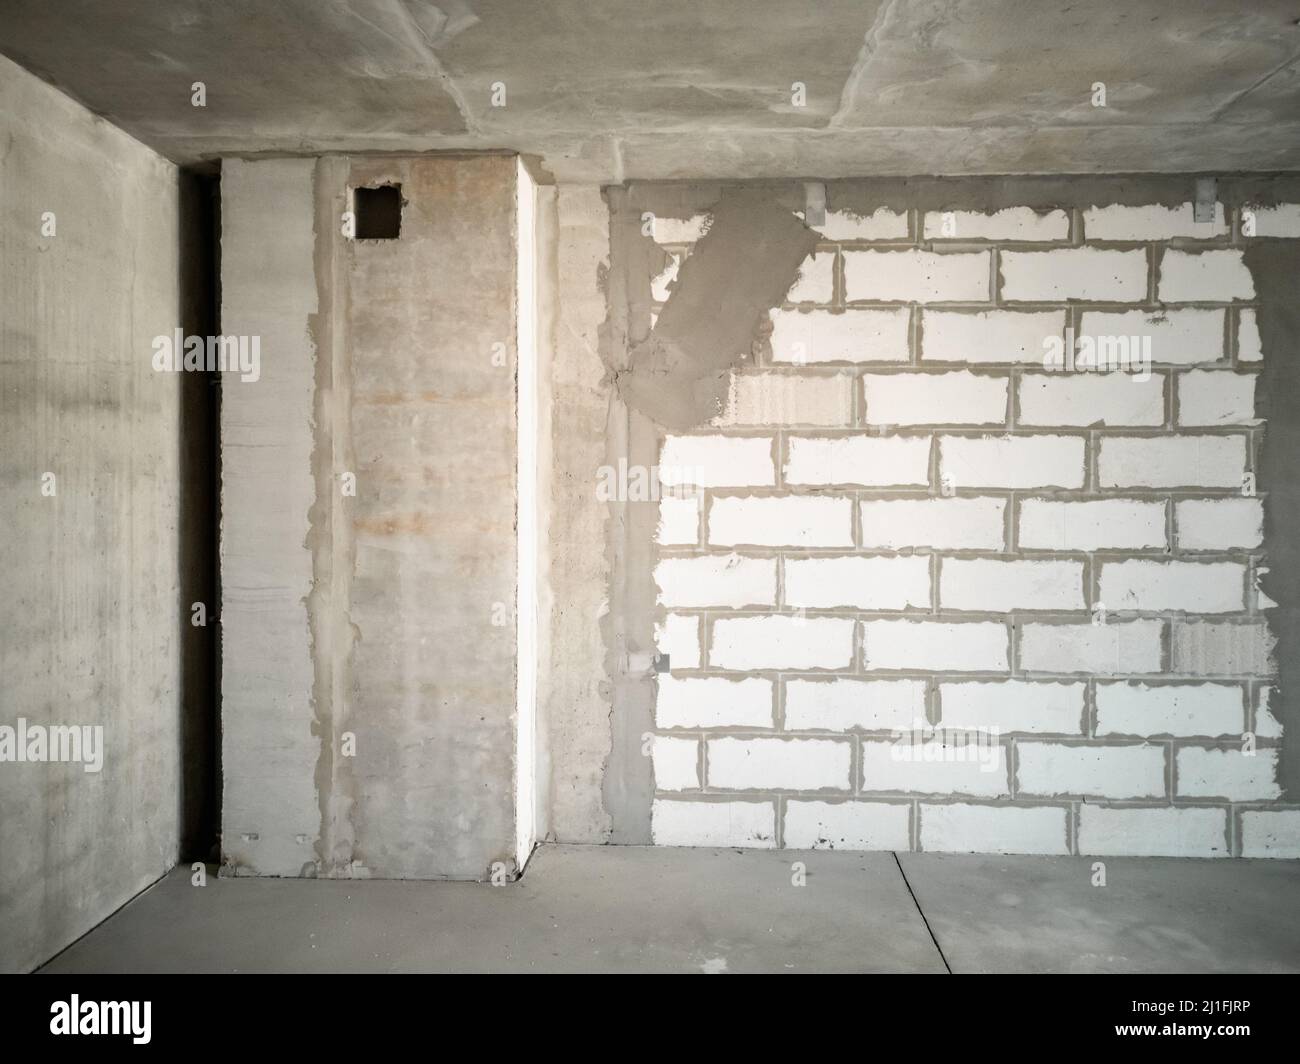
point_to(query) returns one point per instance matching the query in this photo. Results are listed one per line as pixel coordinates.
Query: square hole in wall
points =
(378, 211)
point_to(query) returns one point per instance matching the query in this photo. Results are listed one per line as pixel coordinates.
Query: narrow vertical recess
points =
(330, 537)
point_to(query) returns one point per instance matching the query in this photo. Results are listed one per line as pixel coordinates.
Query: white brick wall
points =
(984, 336)
(1103, 649)
(1047, 768)
(1204, 276)
(972, 646)
(1171, 461)
(1150, 222)
(713, 702)
(1113, 524)
(1219, 524)
(1169, 709)
(964, 828)
(1001, 586)
(781, 764)
(838, 705)
(954, 398)
(847, 825)
(1074, 273)
(716, 461)
(968, 768)
(1228, 773)
(868, 583)
(1012, 461)
(1013, 706)
(906, 514)
(1216, 397)
(679, 823)
(1012, 223)
(1081, 399)
(781, 521)
(916, 276)
(951, 524)
(779, 642)
(1188, 336)
(1110, 831)
(1195, 587)
(869, 461)
(716, 580)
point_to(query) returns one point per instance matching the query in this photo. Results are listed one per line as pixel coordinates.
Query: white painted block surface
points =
(1109, 831)
(1074, 273)
(1219, 524)
(716, 580)
(1170, 709)
(749, 825)
(713, 702)
(964, 828)
(1229, 774)
(1077, 399)
(1012, 461)
(842, 704)
(951, 524)
(1104, 649)
(1171, 461)
(1195, 587)
(1000, 586)
(1216, 397)
(892, 583)
(1204, 277)
(932, 766)
(781, 642)
(955, 398)
(915, 276)
(1047, 768)
(868, 461)
(779, 764)
(1010, 223)
(1012, 706)
(846, 825)
(1050, 524)
(972, 646)
(1182, 337)
(717, 461)
(988, 336)
(781, 521)
(1151, 222)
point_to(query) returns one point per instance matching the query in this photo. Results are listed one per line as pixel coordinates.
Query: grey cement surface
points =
(1155, 914)
(682, 89)
(91, 622)
(636, 909)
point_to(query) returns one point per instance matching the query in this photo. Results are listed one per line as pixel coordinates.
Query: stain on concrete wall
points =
(90, 608)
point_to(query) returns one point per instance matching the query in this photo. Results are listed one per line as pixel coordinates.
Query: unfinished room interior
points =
(707, 486)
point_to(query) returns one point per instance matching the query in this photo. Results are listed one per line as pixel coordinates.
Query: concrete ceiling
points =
(605, 90)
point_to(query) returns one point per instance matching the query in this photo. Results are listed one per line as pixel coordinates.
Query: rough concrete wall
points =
(270, 818)
(386, 470)
(90, 610)
(1112, 659)
(576, 704)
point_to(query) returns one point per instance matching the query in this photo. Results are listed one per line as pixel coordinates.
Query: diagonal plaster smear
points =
(741, 268)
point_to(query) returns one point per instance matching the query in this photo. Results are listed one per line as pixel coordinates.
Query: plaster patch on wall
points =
(742, 268)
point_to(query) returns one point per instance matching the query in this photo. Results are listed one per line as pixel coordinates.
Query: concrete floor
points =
(631, 909)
